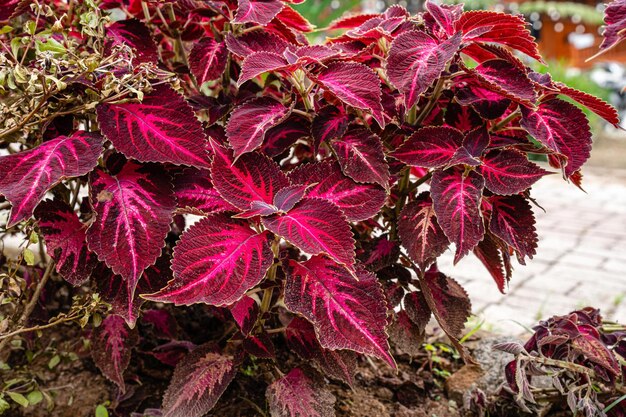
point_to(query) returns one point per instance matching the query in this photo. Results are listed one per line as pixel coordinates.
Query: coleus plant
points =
(328, 178)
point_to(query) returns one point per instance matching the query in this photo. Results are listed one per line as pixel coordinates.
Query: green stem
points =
(502, 123)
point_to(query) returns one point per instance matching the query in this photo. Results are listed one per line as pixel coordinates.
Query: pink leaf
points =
(215, 262)
(361, 157)
(26, 177)
(315, 226)
(257, 11)
(207, 60)
(112, 343)
(429, 147)
(198, 382)
(416, 60)
(456, 198)
(420, 232)
(512, 220)
(356, 85)
(249, 122)
(509, 171)
(65, 240)
(135, 34)
(447, 300)
(253, 177)
(357, 201)
(259, 63)
(330, 122)
(347, 313)
(133, 213)
(195, 193)
(445, 15)
(338, 364)
(297, 395)
(256, 41)
(162, 128)
(245, 312)
(561, 127)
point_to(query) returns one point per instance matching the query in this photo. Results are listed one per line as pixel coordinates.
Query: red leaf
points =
(195, 193)
(260, 346)
(288, 197)
(488, 253)
(245, 312)
(420, 233)
(561, 127)
(350, 21)
(253, 177)
(315, 226)
(199, 380)
(249, 122)
(361, 157)
(509, 171)
(506, 79)
(26, 177)
(615, 20)
(487, 103)
(501, 28)
(215, 262)
(596, 105)
(65, 240)
(297, 395)
(447, 300)
(135, 34)
(338, 364)
(280, 138)
(463, 118)
(357, 201)
(256, 41)
(456, 198)
(330, 122)
(512, 220)
(416, 60)
(356, 85)
(291, 18)
(111, 345)
(207, 60)
(133, 213)
(429, 147)
(162, 128)
(9, 8)
(257, 11)
(347, 313)
(260, 62)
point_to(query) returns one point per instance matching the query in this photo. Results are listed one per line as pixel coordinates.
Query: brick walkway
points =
(581, 259)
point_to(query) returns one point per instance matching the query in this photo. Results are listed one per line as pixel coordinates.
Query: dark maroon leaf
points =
(111, 345)
(279, 138)
(420, 232)
(260, 346)
(330, 122)
(347, 313)
(257, 11)
(379, 253)
(195, 193)
(361, 157)
(429, 147)
(506, 79)
(512, 220)
(456, 199)
(615, 20)
(445, 15)
(288, 197)
(65, 240)
(487, 103)
(207, 60)
(199, 380)
(162, 128)
(256, 41)
(315, 226)
(135, 34)
(26, 177)
(447, 300)
(509, 171)
(596, 105)
(297, 395)
(245, 312)
(488, 253)
(462, 118)
(259, 63)
(215, 262)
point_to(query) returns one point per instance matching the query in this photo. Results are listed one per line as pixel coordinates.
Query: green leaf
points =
(34, 397)
(29, 257)
(101, 411)
(18, 398)
(5, 29)
(4, 405)
(51, 45)
(54, 361)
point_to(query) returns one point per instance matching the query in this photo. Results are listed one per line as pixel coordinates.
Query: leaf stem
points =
(431, 102)
(502, 123)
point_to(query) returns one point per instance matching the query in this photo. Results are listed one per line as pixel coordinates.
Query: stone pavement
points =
(580, 261)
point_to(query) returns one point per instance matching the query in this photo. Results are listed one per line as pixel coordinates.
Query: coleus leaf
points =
(256, 41)
(133, 209)
(330, 122)
(198, 382)
(8, 8)
(260, 346)
(111, 345)
(195, 193)
(405, 335)
(378, 253)
(297, 395)
(361, 157)
(280, 138)
(207, 60)
(215, 262)
(615, 28)
(338, 364)
(507, 79)
(253, 177)
(249, 122)
(447, 300)
(347, 313)
(356, 85)
(315, 226)
(474, 144)
(245, 312)
(292, 19)
(561, 127)
(463, 118)
(351, 21)
(429, 147)
(288, 197)
(487, 103)
(135, 34)
(596, 105)
(500, 28)
(357, 201)
(420, 232)
(27, 176)
(162, 128)
(261, 62)
(65, 240)
(257, 11)
(509, 171)
(456, 199)
(487, 251)
(445, 15)
(512, 220)
(416, 60)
